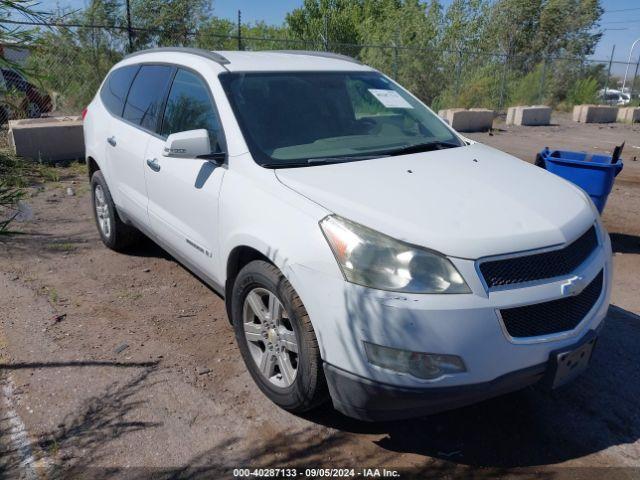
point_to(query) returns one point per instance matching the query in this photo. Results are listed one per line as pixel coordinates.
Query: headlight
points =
(375, 260)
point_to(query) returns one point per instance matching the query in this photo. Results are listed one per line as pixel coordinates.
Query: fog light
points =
(421, 365)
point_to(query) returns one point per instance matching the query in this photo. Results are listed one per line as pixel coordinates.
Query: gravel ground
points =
(124, 366)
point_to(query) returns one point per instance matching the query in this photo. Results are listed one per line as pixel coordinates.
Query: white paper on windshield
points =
(390, 98)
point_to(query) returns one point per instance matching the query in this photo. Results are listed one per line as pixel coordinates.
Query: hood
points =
(466, 202)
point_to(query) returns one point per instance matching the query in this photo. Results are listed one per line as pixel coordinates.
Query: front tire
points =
(114, 233)
(276, 338)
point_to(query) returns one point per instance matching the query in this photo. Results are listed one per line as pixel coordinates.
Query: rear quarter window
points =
(115, 88)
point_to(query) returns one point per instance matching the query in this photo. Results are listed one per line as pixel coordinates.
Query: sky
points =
(621, 20)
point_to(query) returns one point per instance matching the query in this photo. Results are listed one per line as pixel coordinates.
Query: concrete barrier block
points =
(529, 115)
(629, 115)
(47, 139)
(472, 120)
(577, 112)
(595, 113)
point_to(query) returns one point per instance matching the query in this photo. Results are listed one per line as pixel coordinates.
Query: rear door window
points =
(146, 96)
(114, 90)
(190, 107)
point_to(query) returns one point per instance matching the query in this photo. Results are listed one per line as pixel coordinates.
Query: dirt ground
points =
(124, 365)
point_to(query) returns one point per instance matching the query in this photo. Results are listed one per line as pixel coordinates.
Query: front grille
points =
(552, 317)
(540, 266)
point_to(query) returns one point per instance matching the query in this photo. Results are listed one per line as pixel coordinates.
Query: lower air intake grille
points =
(552, 317)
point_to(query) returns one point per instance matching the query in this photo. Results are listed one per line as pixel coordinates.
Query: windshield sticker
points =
(390, 98)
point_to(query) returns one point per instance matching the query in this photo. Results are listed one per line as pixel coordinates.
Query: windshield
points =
(305, 118)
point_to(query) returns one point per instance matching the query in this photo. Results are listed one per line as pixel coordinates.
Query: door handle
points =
(111, 141)
(153, 164)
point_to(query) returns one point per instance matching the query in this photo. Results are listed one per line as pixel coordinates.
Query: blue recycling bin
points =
(593, 173)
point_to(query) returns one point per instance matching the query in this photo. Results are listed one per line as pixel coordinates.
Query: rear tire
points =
(274, 336)
(34, 110)
(114, 233)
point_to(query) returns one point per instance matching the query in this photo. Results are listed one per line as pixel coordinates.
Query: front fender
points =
(259, 212)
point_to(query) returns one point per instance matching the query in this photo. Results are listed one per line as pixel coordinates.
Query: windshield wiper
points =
(284, 164)
(415, 148)
(422, 147)
(310, 162)
(343, 159)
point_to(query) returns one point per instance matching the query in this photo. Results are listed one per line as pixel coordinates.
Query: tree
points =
(465, 26)
(568, 27)
(12, 169)
(72, 62)
(326, 23)
(413, 29)
(167, 22)
(217, 34)
(11, 34)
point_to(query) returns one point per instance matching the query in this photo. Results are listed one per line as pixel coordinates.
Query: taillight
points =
(84, 112)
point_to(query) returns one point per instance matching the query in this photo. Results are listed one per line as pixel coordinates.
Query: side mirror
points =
(191, 144)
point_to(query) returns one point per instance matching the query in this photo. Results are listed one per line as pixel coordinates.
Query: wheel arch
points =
(237, 259)
(92, 166)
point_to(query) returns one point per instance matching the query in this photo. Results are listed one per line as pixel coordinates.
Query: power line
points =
(621, 22)
(151, 30)
(621, 10)
(291, 41)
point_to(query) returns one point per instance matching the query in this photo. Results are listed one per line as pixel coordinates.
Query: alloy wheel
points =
(272, 342)
(102, 211)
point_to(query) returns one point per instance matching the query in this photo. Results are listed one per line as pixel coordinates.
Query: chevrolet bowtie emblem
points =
(573, 286)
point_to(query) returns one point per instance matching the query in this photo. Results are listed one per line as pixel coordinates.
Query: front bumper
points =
(345, 315)
(368, 400)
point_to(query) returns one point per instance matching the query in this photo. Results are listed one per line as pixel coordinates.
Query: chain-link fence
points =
(67, 63)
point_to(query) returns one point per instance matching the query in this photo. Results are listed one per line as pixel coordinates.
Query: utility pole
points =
(326, 33)
(606, 85)
(129, 29)
(395, 53)
(239, 30)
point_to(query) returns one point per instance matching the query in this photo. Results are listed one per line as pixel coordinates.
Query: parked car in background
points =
(614, 97)
(19, 98)
(366, 251)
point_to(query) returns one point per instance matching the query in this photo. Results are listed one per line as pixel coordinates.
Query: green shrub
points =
(12, 178)
(583, 91)
(525, 90)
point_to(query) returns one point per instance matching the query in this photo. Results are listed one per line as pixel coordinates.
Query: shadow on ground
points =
(623, 243)
(149, 249)
(532, 427)
(82, 435)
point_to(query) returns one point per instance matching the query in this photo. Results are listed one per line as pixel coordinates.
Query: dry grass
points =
(17, 175)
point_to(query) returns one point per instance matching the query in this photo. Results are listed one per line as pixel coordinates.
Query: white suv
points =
(364, 249)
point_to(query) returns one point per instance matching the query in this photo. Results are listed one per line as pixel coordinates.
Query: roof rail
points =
(216, 57)
(315, 53)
